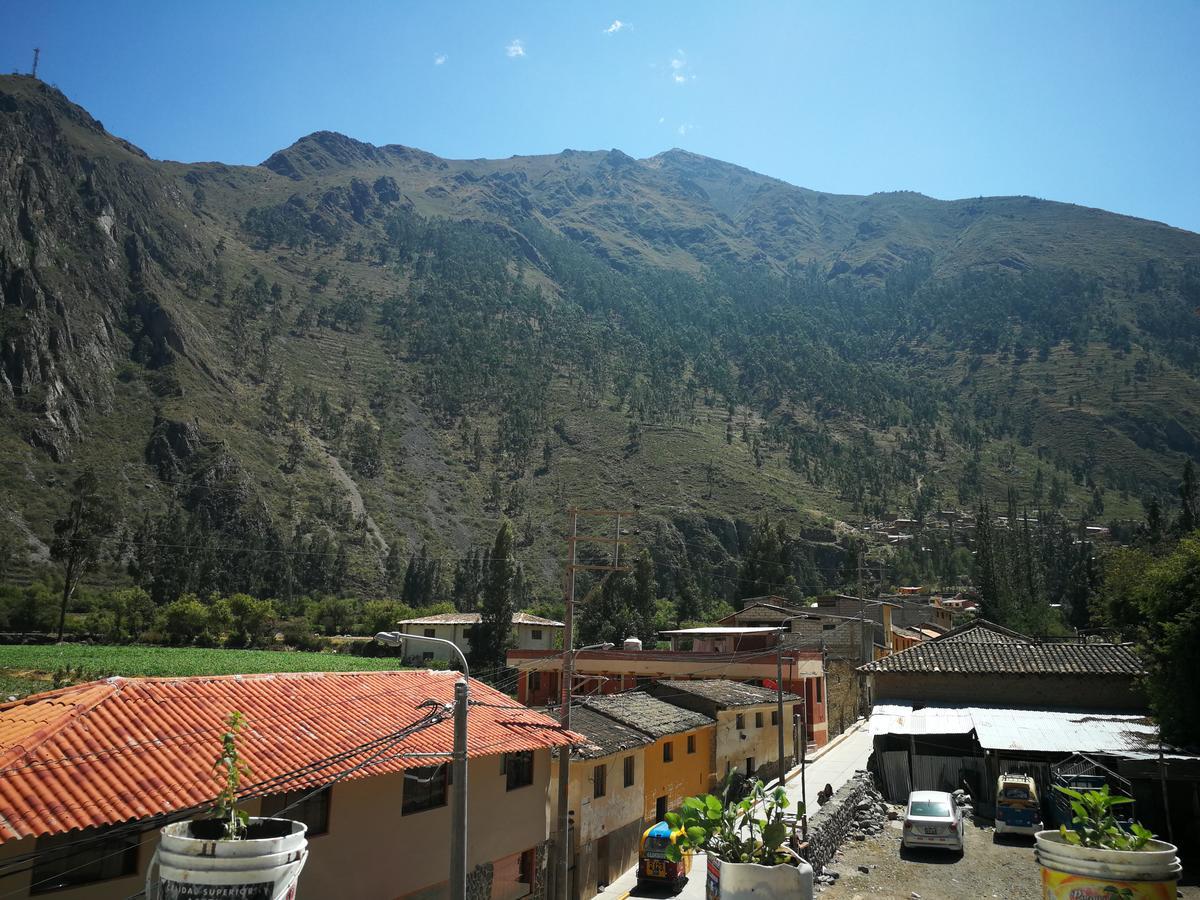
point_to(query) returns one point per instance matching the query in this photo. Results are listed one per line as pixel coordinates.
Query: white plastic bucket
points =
(749, 881)
(191, 868)
(1073, 872)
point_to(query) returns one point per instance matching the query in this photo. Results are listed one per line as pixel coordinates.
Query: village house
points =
(616, 670)
(606, 797)
(746, 736)
(91, 772)
(530, 632)
(678, 764)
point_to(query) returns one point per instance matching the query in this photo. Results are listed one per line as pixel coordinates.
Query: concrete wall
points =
(454, 633)
(612, 823)
(371, 850)
(1100, 692)
(733, 745)
(550, 637)
(687, 775)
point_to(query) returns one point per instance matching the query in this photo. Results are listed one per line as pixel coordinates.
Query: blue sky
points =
(1089, 102)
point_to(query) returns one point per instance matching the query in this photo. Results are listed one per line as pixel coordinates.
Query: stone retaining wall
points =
(836, 821)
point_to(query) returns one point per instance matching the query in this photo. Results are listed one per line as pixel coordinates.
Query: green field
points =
(21, 666)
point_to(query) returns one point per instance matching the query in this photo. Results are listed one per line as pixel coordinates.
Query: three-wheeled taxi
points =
(1018, 810)
(654, 869)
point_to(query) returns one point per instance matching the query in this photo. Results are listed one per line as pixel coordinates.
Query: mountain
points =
(295, 370)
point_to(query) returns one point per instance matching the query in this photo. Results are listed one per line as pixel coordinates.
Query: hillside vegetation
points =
(350, 362)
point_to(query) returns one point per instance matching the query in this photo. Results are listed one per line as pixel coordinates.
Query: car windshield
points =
(931, 808)
(657, 843)
(1016, 792)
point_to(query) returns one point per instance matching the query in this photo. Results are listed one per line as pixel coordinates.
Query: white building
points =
(530, 633)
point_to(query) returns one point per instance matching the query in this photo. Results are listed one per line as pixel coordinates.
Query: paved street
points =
(834, 763)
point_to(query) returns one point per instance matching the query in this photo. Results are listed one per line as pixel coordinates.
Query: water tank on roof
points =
(632, 643)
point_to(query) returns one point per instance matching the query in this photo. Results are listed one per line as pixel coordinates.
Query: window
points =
(430, 632)
(820, 690)
(599, 781)
(691, 743)
(427, 656)
(535, 681)
(97, 854)
(774, 717)
(829, 626)
(518, 769)
(512, 876)
(536, 634)
(311, 808)
(668, 751)
(629, 764)
(749, 766)
(424, 788)
(741, 721)
(758, 720)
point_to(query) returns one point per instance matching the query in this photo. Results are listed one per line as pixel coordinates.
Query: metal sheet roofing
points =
(1036, 730)
(473, 618)
(130, 748)
(724, 629)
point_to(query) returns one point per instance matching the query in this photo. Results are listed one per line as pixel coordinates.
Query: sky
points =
(1084, 101)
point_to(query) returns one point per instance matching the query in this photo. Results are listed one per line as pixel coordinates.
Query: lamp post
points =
(564, 762)
(458, 796)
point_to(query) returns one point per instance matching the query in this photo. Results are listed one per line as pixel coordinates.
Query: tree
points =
(493, 635)
(80, 536)
(250, 618)
(1157, 603)
(184, 619)
(1189, 500)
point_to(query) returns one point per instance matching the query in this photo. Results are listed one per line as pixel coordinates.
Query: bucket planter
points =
(228, 855)
(196, 862)
(1099, 858)
(746, 843)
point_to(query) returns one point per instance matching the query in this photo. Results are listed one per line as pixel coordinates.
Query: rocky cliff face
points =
(86, 252)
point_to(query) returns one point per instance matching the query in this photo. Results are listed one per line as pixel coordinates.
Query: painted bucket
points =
(748, 881)
(194, 867)
(1084, 873)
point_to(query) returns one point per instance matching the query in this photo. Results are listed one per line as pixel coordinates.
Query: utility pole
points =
(783, 769)
(37, 51)
(568, 668)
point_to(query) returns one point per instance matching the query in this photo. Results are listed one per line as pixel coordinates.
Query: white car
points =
(932, 819)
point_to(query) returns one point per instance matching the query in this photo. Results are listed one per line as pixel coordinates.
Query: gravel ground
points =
(1003, 868)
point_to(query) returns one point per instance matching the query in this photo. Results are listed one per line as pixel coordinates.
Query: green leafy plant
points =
(1095, 824)
(230, 768)
(751, 830)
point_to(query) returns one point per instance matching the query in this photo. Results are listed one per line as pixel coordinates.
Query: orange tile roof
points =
(129, 748)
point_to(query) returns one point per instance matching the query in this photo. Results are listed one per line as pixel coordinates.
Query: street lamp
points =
(458, 797)
(564, 761)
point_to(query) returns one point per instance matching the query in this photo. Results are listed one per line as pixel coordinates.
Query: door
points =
(601, 863)
(660, 809)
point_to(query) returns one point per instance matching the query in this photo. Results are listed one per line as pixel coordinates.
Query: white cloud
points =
(661, 119)
(515, 49)
(684, 129)
(679, 78)
(440, 59)
(616, 26)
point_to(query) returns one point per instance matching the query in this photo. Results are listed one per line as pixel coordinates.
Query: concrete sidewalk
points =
(834, 763)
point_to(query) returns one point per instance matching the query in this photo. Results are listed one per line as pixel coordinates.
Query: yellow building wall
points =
(685, 776)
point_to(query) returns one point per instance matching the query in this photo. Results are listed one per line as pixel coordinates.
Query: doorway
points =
(660, 809)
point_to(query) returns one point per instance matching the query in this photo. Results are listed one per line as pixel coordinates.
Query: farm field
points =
(26, 669)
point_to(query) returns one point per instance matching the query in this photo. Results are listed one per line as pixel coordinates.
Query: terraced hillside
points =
(301, 370)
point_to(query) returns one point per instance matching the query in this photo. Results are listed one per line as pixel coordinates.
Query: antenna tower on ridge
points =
(37, 51)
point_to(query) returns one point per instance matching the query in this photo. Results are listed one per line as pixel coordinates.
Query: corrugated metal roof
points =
(473, 618)
(724, 629)
(891, 718)
(1006, 728)
(110, 751)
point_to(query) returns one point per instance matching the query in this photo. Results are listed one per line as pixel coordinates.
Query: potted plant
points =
(228, 854)
(746, 842)
(1100, 857)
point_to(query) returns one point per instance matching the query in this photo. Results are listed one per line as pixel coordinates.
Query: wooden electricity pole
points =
(568, 666)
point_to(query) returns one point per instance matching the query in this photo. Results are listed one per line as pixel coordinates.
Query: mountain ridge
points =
(712, 344)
